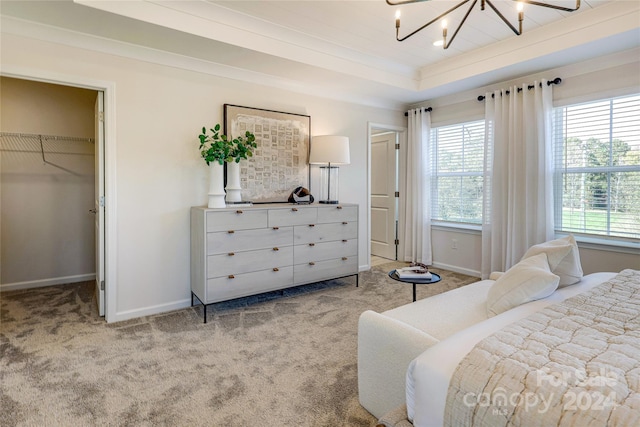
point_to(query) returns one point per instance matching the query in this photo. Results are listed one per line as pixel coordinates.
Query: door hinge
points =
(101, 201)
(102, 285)
(101, 116)
(396, 242)
(397, 194)
(397, 146)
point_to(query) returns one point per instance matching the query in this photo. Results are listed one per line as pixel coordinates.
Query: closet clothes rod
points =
(555, 81)
(46, 137)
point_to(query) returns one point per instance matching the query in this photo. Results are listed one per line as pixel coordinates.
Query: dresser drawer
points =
(225, 242)
(337, 214)
(324, 251)
(323, 270)
(292, 216)
(224, 288)
(243, 262)
(317, 233)
(236, 220)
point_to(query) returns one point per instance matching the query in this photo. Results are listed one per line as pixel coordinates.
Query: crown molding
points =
(57, 35)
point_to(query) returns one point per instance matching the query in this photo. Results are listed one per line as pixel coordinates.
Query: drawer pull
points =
(312, 225)
(276, 249)
(231, 254)
(344, 258)
(312, 244)
(230, 231)
(238, 211)
(344, 223)
(231, 276)
(312, 263)
(344, 240)
(276, 269)
(338, 207)
(276, 228)
(294, 209)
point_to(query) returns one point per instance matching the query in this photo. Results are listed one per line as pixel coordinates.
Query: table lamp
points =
(328, 151)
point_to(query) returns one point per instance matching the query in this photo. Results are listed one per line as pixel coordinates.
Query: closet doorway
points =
(52, 186)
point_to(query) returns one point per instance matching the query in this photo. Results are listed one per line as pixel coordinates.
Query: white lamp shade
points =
(329, 149)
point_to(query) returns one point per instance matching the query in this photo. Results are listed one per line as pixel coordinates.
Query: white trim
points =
(151, 310)
(47, 282)
(47, 33)
(109, 89)
(456, 269)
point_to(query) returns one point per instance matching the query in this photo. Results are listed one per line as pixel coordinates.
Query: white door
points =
(383, 195)
(99, 200)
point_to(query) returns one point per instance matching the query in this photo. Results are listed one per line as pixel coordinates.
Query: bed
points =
(577, 352)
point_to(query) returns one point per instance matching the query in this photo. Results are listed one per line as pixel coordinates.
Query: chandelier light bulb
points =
(520, 16)
(397, 18)
(444, 24)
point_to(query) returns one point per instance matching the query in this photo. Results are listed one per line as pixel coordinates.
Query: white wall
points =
(47, 231)
(158, 172)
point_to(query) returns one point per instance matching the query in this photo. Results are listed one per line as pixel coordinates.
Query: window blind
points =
(457, 168)
(597, 155)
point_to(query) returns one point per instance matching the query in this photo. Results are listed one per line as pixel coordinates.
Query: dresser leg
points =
(357, 279)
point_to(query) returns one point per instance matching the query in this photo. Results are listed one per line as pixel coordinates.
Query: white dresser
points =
(236, 252)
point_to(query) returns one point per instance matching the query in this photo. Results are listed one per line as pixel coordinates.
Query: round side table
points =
(415, 280)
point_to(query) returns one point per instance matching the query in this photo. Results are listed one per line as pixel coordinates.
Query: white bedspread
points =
(429, 374)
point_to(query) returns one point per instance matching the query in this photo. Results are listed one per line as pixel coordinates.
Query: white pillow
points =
(564, 259)
(528, 280)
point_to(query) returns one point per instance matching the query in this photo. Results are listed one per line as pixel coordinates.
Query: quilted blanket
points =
(575, 363)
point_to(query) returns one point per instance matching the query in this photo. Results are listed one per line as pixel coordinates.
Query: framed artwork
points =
(280, 163)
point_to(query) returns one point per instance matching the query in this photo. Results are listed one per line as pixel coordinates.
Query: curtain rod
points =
(555, 81)
(429, 109)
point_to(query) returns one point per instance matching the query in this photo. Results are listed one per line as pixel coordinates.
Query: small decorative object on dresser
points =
(241, 252)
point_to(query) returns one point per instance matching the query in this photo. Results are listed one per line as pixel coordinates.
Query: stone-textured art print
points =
(280, 162)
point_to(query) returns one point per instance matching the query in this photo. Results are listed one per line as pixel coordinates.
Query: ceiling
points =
(343, 49)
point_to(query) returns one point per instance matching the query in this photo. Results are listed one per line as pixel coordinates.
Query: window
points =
(597, 151)
(457, 156)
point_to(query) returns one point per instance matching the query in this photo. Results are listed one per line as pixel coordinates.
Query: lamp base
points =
(328, 202)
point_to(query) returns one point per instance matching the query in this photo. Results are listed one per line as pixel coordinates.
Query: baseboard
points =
(457, 269)
(151, 310)
(46, 282)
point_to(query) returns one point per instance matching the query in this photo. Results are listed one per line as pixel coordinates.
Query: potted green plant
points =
(216, 150)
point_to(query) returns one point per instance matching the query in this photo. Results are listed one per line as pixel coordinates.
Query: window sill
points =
(457, 227)
(603, 244)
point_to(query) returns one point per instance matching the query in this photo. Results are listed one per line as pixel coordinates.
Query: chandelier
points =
(446, 43)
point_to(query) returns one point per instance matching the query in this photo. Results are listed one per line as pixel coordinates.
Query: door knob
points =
(93, 211)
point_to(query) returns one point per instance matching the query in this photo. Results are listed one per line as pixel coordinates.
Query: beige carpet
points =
(279, 359)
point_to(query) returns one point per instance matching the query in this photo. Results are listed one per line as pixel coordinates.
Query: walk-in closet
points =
(47, 184)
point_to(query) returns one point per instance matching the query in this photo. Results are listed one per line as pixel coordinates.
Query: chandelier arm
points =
(552, 6)
(398, 3)
(433, 20)
(446, 45)
(503, 18)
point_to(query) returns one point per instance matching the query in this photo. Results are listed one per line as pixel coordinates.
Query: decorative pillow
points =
(564, 259)
(528, 280)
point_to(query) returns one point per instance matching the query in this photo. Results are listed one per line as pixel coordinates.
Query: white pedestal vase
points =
(216, 185)
(233, 183)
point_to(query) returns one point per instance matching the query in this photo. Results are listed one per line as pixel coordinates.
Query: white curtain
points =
(417, 223)
(518, 190)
